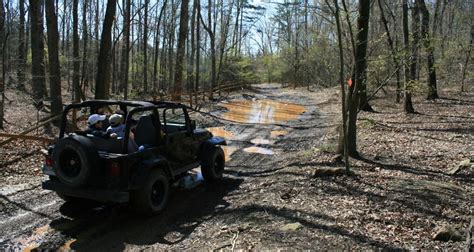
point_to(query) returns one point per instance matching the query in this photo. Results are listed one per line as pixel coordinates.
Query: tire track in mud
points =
(34, 218)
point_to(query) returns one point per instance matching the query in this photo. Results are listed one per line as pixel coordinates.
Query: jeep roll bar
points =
(139, 106)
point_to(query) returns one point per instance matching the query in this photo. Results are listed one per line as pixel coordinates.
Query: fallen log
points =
(32, 129)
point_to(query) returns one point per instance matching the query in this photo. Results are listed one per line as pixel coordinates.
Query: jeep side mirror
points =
(193, 124)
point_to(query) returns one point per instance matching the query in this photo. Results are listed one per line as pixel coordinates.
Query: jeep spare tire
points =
(74, 159)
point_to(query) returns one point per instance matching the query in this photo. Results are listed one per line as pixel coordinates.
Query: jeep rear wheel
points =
(74, 159)
(213, 168)
(153, 197)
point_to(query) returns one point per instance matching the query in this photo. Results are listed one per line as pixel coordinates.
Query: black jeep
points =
(83, 166)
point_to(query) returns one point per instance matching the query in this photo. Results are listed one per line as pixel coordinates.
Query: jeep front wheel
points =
(153, 197)
(213, 168)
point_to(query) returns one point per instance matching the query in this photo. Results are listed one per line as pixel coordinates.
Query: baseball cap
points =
(95, 118)
(115, 120)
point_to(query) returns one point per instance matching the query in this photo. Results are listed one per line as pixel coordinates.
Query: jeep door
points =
(180, 144)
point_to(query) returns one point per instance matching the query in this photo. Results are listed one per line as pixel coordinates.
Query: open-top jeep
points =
(80, 165)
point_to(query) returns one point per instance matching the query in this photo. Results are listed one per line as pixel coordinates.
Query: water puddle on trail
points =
(221, 132)
(261, 141)
(228, 151)
(258, 150)
(227, 135)
(35, 239)
(261, 111)
(279, 133)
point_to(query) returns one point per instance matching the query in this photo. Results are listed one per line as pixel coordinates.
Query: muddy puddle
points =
(228, 151)
(259, 150)
(227, 135)
(278, 133)
(261, 111)
(221, 132)
(261, 141)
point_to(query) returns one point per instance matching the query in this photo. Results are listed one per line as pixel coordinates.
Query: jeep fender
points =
(208, 146)
(144, 169)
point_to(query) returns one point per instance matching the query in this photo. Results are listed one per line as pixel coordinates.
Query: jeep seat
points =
(146, 132)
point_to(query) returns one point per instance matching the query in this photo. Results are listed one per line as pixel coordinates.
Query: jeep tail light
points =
(114, 169)
(48, 161)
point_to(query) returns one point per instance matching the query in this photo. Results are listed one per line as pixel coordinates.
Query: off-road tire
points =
(153, 197)
(74, 160)
(213, 167)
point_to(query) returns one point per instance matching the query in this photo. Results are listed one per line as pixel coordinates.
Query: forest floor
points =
(269, 198)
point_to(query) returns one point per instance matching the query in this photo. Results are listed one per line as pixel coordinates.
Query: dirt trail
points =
(264, 126)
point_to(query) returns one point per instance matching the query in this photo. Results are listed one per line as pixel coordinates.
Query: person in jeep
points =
(95, 125)
(118, 127)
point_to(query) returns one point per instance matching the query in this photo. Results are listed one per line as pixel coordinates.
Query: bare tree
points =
(183, 31)
(37, 50)
(408, 105)
(393, 49)
(210, 28)
(125, 49)
(103, 61)
(53, 54)
(426, 38)
(342, 85)
(75, 53)
(2, 53)
(145, 48)
(21, 66)
(360, 75)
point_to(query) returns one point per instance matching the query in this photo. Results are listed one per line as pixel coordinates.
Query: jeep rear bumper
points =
(93, 194)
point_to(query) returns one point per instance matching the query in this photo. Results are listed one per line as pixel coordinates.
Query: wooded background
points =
(167, 49)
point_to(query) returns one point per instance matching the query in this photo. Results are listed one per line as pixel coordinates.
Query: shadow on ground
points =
(113, 226)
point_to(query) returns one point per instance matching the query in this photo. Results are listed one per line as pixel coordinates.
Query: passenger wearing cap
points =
(117, 127)
(95, 123)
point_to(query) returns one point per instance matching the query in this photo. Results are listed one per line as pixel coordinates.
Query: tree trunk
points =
(343, 90)
(425, 33)
(53, 55)
(191, 72)
(415, 23)
(183, 31)
(212, 39)
(360, 70)
(85, 35)
(360, 75)
(408, 105)
(145, 48)
(37, 51)
(75, 53)
(157, 47)
(198, 50)
(21, 66)
(468, 56)
(125, 49)
(103, 61)
(392, 48)
(2, 52)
